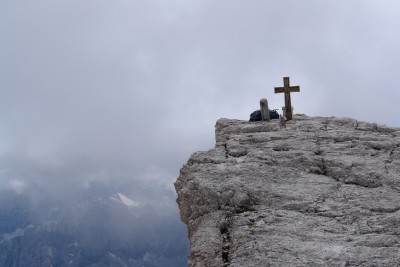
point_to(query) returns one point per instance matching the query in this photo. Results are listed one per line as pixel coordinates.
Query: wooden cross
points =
(287, 89)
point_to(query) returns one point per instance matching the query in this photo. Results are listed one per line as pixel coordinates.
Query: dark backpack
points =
(255, 116)
(273, 114)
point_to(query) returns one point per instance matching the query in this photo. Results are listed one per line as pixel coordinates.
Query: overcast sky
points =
(125, 90)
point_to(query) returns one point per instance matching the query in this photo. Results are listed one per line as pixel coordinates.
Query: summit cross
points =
(287, 89)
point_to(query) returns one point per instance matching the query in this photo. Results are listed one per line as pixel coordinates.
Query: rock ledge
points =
(323, 192)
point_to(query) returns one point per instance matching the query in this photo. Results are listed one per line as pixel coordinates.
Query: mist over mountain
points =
(95, 227)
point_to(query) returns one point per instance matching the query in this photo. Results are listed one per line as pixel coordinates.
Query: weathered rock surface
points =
(323, 192)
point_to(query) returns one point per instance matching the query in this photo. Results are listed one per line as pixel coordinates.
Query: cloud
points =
(125, 91)
(17, 186)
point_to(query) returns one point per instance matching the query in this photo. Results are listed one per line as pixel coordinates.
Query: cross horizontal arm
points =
(279, 90)
(294, 89)
(291, 89)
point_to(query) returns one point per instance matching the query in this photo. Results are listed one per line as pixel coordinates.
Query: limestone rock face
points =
(322, 192)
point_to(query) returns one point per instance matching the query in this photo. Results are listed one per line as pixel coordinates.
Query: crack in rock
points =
(226, 242)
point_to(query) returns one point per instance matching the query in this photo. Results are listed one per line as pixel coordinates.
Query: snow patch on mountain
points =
(122, 199)
(16, 233)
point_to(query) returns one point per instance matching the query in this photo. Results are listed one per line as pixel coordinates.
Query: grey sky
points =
(126, 90)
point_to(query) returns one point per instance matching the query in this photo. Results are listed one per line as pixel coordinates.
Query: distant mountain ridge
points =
(325, 191)
(100, 229)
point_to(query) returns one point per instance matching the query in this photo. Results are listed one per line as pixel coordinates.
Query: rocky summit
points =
(325, 191)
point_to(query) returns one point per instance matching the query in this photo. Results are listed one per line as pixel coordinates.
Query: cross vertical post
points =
(287, 89)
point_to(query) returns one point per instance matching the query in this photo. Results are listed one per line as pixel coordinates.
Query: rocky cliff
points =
(322, 192)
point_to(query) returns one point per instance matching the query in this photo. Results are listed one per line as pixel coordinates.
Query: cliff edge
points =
(324, 191)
